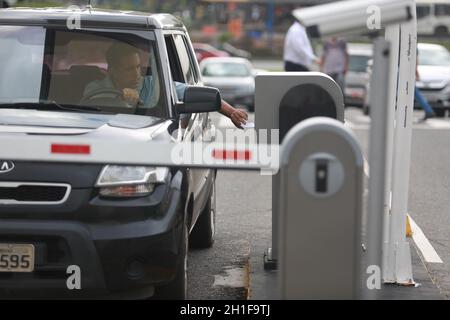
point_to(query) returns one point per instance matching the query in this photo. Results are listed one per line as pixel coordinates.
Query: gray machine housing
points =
(320, 231)
(284, 99)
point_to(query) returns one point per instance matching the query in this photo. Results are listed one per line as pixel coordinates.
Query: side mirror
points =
(200, 100)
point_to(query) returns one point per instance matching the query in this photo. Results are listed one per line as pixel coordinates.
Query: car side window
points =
(185, 59)
(175, 67)
(442, 10)
(423, 11)
(193, 59)
(177, 72)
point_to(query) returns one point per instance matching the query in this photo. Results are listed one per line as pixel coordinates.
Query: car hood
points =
(434, 74)
(69, 123)
(228, 81)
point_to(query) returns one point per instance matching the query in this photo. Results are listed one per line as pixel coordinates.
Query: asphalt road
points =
(243, 216)
(244, 212)
(429, 186)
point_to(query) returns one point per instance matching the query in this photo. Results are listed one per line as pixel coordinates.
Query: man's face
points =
(127, 74)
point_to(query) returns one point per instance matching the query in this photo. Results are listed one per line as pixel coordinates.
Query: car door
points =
(198, 124)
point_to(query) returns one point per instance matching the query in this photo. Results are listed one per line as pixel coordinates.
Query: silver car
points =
(434, 82)
(234, 77)
(434, 71)
(355, 82)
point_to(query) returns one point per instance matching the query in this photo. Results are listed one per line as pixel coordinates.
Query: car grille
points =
(23, 193)
(431, 89)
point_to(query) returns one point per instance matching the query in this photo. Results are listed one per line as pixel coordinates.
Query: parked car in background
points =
(204, 50)
(356, 79)
(234, 77)
(235, 52)
(434, 83)
(434, 71)
(433, 17)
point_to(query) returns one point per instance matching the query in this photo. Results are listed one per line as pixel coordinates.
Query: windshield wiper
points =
(45, 105)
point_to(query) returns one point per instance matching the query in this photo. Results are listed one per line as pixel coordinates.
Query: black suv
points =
(126, 229)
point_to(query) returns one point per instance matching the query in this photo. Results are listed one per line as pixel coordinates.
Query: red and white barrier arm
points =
(153, 153)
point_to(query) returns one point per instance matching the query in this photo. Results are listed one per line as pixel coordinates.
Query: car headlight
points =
(130, 181)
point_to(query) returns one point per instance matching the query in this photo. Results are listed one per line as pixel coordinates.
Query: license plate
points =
(16, 257)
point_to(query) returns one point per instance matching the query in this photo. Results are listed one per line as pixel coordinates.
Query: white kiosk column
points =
(393, 36)
(399, 255)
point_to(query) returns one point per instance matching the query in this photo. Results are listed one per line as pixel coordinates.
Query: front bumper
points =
(438, 99)
(354, 96)
(129, 254)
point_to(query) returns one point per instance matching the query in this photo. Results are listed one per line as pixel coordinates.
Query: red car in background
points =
(204, 50)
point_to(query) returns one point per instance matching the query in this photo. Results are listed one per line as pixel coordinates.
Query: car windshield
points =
(226, 69)
(358, 63)
(84, 71)
(434, 57)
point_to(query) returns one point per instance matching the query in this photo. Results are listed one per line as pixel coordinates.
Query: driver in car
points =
(124, 76)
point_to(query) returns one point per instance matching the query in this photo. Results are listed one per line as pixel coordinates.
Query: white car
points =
(434, 72)
(355, 82)
(234, 77)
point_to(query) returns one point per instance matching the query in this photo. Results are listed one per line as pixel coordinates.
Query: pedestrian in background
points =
(298, 53)
(335, 60)
(429, 112)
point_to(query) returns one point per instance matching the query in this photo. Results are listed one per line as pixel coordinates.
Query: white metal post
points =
(377, 157)
(393, 36)
(399, 251)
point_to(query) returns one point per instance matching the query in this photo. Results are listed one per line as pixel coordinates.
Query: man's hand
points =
(131, 96)
(239, 117)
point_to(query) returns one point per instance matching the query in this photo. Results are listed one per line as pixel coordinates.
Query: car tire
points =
(177, 289)
(366, 110)
(251, 108)
(203, 234)
(441, 31)
(440, 113)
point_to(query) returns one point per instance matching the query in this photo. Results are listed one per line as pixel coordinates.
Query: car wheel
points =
(441, 31)
(177, 289)
(251, 108)
(204, 232)
(440, 112)
(366, 110)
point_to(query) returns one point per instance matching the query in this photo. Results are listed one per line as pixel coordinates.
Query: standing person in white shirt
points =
(298, 52)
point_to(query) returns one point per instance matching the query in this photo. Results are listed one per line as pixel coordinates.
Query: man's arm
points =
(307, 48)
(238, 117)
